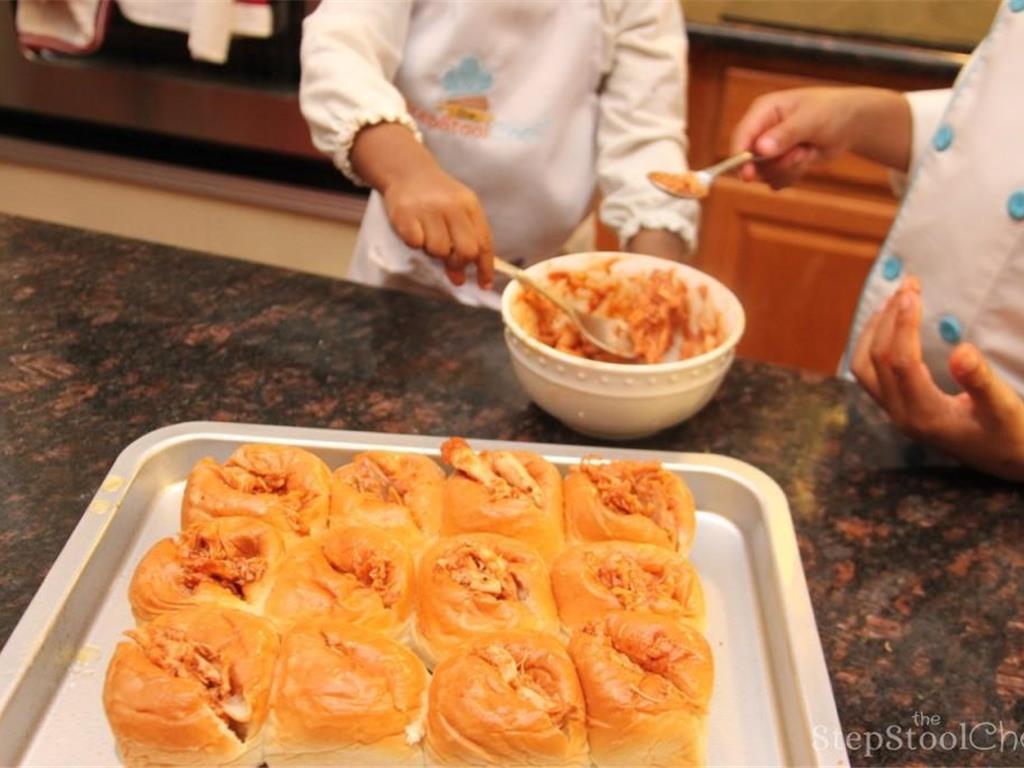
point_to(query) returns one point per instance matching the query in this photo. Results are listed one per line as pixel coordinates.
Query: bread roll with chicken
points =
(284, 486)
(647, 683)
(629, 501)
(228, 561)
(345, 695)
(400, 492)
(192, 688)
(361, 575)
(479, 582)
(513, 493)
(589, 580)
(506, 698)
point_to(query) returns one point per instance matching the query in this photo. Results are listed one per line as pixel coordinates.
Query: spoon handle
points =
(729, 163)
(510, 270)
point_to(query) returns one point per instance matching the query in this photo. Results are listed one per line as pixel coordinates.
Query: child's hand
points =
(432, 211)
(983, 426)
(805, 125)
(427, 207)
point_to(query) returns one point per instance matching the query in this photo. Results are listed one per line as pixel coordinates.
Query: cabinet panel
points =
(797, 260)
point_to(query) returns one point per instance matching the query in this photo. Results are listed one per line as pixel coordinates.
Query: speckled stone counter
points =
(916, 573)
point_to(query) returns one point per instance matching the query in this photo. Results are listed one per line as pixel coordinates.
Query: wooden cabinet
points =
(798, 258)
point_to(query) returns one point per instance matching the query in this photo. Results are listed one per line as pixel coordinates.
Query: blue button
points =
(943, 137)
(1015, 204)
(949, 329)
(892, 266)
(1017, 6)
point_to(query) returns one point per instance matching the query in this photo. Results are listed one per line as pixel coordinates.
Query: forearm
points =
(882, 126)
(385, 152)
(659, 242)
(642, 127)
(350, 52)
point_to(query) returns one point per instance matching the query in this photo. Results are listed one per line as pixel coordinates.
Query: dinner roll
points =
(400, 492)
(588, 580)
(629, 501)
(361, 575)
(514, 493)
(345, 695)
(647, 683)
(228, 561)
(506, 698)
(284, 486)
(191, 688)
(479, 582)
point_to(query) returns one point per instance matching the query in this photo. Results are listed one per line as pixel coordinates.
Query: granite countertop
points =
(916, 573)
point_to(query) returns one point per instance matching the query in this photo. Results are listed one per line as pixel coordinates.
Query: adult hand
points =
(983, 426)
(799, 127)
(427, 208)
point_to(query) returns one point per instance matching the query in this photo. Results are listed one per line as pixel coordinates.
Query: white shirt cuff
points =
(348, 131)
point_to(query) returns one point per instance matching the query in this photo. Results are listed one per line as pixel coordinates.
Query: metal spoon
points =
(606, 333)
(694, 185)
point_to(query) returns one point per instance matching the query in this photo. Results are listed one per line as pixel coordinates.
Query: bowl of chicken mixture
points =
(683, 325)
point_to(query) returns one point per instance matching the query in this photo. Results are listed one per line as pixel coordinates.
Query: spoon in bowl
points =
(606, 333)
(694, 185)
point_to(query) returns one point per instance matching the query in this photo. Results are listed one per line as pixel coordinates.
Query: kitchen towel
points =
(209, 24)
(78, 26)
(67, 26)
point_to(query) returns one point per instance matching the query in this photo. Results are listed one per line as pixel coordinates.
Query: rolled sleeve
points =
(350, 52)
(642, 123)
(926, 110)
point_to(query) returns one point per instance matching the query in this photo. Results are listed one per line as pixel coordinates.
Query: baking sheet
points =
(772, 693)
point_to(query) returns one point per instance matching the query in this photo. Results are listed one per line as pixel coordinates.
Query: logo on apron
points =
(466, 110)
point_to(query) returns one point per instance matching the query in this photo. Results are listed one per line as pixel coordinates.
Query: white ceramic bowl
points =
(613, 400)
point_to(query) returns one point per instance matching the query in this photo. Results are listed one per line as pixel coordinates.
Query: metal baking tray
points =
(772, 702)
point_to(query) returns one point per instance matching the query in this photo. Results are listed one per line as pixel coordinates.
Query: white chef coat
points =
(960, 228)
(530, 104)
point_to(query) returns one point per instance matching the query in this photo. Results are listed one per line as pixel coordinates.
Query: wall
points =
(310, 243)
(960, 23)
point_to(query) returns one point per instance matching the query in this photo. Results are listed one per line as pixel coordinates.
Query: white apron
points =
(961, 225)
(505, 95)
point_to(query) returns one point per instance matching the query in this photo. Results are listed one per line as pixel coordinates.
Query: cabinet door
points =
(797, 260)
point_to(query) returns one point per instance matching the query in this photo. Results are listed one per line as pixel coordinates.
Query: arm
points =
(350, 53)
(641, 127)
